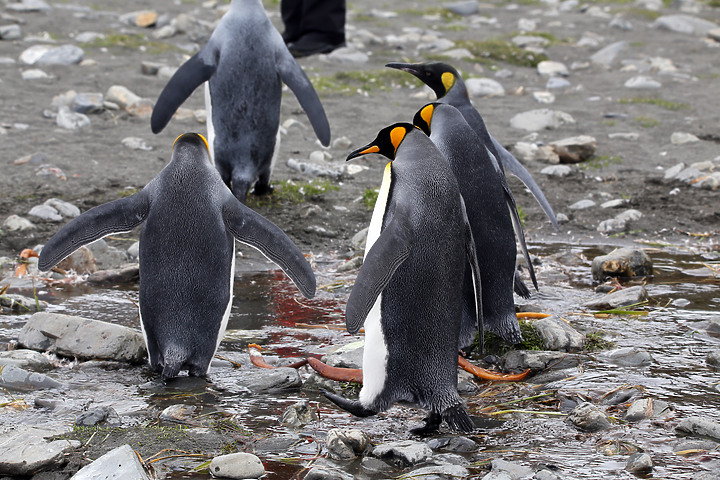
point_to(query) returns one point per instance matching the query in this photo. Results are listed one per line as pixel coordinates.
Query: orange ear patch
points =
(448, 80)
(427, 113)
(396, 136)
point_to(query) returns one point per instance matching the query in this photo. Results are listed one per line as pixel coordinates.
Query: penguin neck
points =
(457, 94)
(244, 3)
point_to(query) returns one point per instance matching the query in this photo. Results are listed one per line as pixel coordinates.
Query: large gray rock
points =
(455, 443)
(276, 380)
(622, 262)
(438, 472)
(237, 465)
(325, 472)
(629, 357)
(588, 418)
(541, 119)
(347, 356)
(607, 55)
(619, 298)
(15, 378)
(299, 414)
(121, 463)
(684, 24)
(20, 304)
(575, 149)
(403, 453)
(644, 408)
(27, 450)
(346, 443)
(62, 55)
(514, 470)
(559, 335)
(539, 360)
(639, 463)
(699, 427)
(82, 337)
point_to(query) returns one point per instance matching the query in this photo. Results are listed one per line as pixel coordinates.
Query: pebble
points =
(541, 119)
(544, 97)
(346, 443)
(639, 463)
(713, 358)
(95, 416)
(82, 337)
(237, 465)
(684, 24)
(530, 41)
(629, 357)
(518, 360)
(15, 223)
(45, 212)
(26, 450)
(548, 68)
(88, 37)
(458, 54)
(323, 472)
(10, 32)
(27, 6)
(629, 215)
(681, 138)
(617, 203)
(559, 335)
(699, 427)
(453, 444)
(645, 408)
(512, 469)
(607, 55)
(624, 136)
(121, 96)
(332, 170)
(588, 418)
(546, 475)
(276, 380)
(121, 462)
(348, 356)
(70, 120)
(348, 56)
(16, 378)
(484, 87)
(464, 9)
(438, 472)
(26, 359)
(575, 149)
(641, 81)
(136, 143)
(403, 453)
(87, 103)
(342, 143)
(35, 74)
(299, 414)
(582, 204)
(621, 262)
(20, 304)
(556, 171)
(81, 261)
(66, 209)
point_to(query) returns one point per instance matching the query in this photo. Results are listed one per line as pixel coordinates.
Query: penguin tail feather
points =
(520, 287)
(174, 359)
(458, 419)
(352, 406)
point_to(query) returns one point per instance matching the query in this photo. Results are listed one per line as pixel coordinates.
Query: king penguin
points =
(190, 221)
(493, 217)
(450, 88)
(408, 293)
(244, 64)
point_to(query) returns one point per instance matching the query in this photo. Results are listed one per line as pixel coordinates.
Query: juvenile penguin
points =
(408, 293)
(190, 221)
(244, 64)
(450, 88)
(493, 217)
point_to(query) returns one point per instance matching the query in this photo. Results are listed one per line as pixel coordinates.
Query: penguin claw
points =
(352, 406)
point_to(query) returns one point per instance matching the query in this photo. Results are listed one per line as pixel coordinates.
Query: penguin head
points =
(423, 117)
(439, 76)
(386, 143)
(191, 142)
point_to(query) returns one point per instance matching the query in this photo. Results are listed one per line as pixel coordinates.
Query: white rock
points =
(548, 68)
(118, 464)
(618, 202)
(347, 55)
(458, 54)
(237, 465)
(630, 215)
(70, 120)
(624, 136)
(544, 97)
(29, 6)
(26, 450)
(136, 143)
(62, 55)
(607, 55)
(681, 138)
(684, 24)
(45, 212)
(641, 81)
(15, 223)
(541, 119)
(673, 171)
(320, 156)
(582, 204)
(35, 74)
(87, 37)
(64, 208)
(31, 55)
(483, 87)
(556, 171)
(121, 96)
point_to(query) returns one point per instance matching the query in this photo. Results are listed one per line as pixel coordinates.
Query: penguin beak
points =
(371, 148)
(405, 67)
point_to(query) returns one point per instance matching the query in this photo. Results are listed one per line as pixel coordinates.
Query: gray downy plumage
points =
(190, 221)
(244, 62)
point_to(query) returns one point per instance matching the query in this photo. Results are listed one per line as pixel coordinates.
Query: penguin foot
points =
(532, 315)
(262, 189)
(488, 375)
(432, 424)
(352, 406)
(458, 419)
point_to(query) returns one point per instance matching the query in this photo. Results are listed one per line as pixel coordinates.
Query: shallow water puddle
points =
(268, 310)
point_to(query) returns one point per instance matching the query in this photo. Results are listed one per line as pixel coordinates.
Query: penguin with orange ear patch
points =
(190, 221)
(408, 293)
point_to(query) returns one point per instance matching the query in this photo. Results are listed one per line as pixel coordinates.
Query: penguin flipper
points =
(390, 250)
(253, 229)
(121, 215)
(191, 74)
(513, 165)
(294, 77)
(471, 253)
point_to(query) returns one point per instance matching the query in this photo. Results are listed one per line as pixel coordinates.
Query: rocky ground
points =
(640, 78)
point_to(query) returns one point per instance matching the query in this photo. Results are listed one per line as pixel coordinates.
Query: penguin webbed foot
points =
(431, 425)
